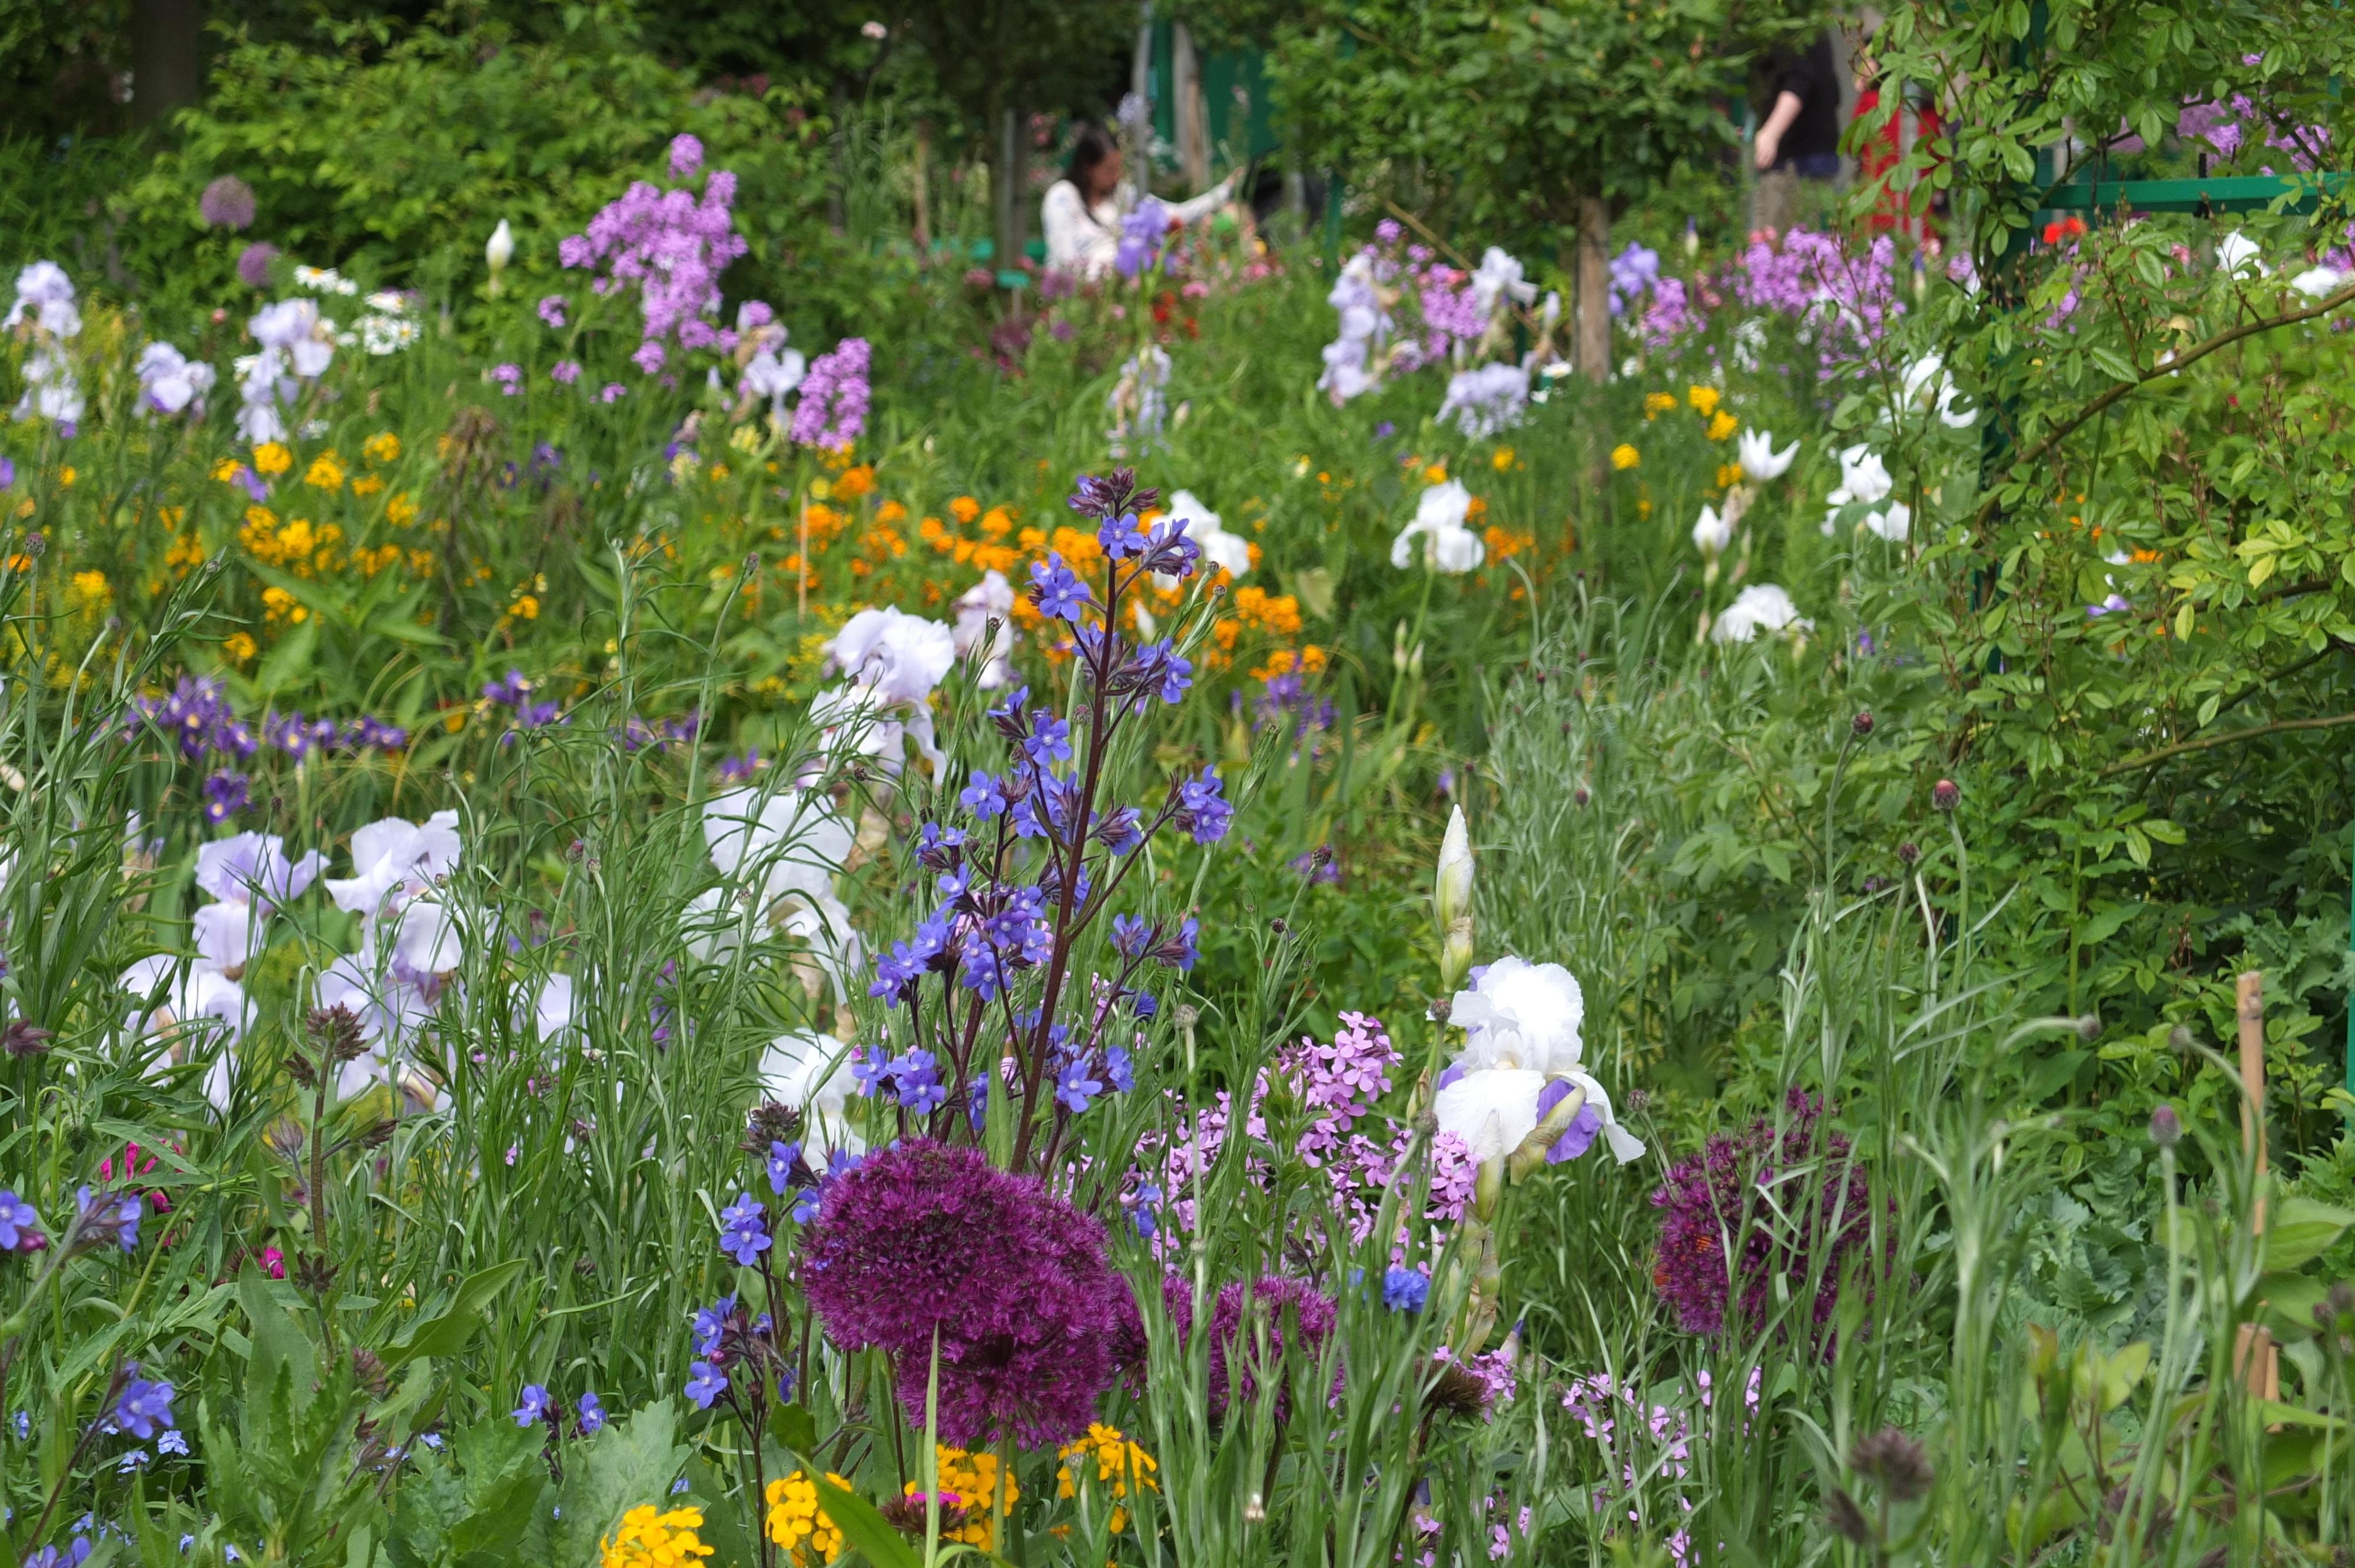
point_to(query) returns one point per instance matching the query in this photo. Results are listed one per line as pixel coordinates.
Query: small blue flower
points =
(744, 1230)
(1143, 1004)
(785, 1380)
(173, 1441)
(1406, 1290)
(1057, 590)
(143, 1407)
(18, 1222)
(1130, 935)
(1075, 1087)
(534, 1408)
(1119, 537)
(784, 1160)
(711, 1322)
(704, 1384)
(678, 1486)
(1050, 740)
(983, 795)
(1202, 811)
(593, 1413)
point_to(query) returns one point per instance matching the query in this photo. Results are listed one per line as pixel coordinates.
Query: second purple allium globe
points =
(924, 1239)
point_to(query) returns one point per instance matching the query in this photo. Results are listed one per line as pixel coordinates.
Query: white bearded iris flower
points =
(1762, 607)
(1439, 519)
(1522, 1055)
(811, 1072)
(1760, 461)
(778, 852)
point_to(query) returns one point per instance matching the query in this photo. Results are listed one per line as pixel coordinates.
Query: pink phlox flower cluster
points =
(1669, 316)
(673, 247)
(1339, 1081)
(832, 412)
(1494, 1369)
(1597, 1401)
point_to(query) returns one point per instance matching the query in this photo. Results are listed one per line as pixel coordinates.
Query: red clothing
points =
(1876, 156)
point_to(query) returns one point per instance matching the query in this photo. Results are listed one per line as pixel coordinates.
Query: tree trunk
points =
(166, 57)
(1593, 355)
(1009, 183)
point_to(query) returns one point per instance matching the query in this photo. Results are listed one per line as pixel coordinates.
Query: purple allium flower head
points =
(551, 310)
(253, 263)
(1721, 1191)
(832, 412)
(143, 1407)
(1279, 1304)
(227, 203)
(21, 1224)
(924, 1239)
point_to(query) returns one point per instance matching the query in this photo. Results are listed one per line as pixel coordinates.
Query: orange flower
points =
(964, 509)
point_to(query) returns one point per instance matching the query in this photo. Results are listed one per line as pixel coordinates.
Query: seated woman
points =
(1082, 210)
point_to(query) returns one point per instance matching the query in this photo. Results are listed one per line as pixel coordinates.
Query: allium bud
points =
(2088, 1027)
(1897, 1462)
(1846, 1519)
(2166, 1126)
(1580, 794)
(1861, 726)
(1945, 794)
(1909, 851)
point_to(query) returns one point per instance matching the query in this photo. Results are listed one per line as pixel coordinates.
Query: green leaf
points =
(278, 1342)
(864, 1528)
(2299, 1230)
(796, 1428)
(632, 1462)
(445, 1333)
(289, 662)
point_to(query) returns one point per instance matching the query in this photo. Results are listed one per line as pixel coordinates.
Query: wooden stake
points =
(2254, 1355)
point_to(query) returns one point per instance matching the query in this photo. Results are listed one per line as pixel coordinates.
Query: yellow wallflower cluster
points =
(1624, 457)
(325, 472)
(1722, 424)
(1704, 399)
(796, 1523)
(271, 458)
(383, 447)
(295, 544)
(1659, 403)
(972, 1479)
(1119, 1463)
(89, 590)
(651, 1539)
(240, 647)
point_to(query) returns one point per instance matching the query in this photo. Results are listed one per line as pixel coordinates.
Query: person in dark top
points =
(1799, 138)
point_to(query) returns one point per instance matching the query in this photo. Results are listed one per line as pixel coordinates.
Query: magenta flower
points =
(253, 263)
(551, 310)
(649, 357)
(614, 393)
(509, 376)
(564, 371)
(686, 156)
(924, 1239)
(1722, 1193)
(832, 412)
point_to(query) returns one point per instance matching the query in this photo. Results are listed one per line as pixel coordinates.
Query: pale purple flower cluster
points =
(1143, 235)
(832, 412)
(196, 715)
(227, 203)
(673, 248)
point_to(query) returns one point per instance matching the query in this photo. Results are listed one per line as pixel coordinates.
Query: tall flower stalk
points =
(1001, 1046)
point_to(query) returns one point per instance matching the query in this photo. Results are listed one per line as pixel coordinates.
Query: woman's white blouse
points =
(1084, 241)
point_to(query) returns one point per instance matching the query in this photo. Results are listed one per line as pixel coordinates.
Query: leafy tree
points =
(1531, 122)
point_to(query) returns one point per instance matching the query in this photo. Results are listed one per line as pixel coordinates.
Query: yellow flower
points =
(227, 470)
(367, 485)
(66, 476)
(1724, 425)
(975, 1479)
(525, 606)
(277, 604)
(383, 447)
(1624, 457)
(649, 1539)
(964, 509)
(90, 588)
(327, 471)
(238, 647)
(1657, 403)
(1703, 399)
(1436, 473)
(796, 1524)
(1728, 473)
(273, 458)
(1501, 460)
(400, 512)
(1118, 1461)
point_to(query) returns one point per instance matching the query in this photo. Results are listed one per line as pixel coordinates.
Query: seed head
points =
(2166, 1126)
(1896, 1462)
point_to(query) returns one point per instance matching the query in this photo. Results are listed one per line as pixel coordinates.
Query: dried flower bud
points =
(2166, 1126)
(336, 1032)
(22, 1039)
(1860, 725)
(299, 1067)
(367, 1370)
(2179, 1039)
(377, 1132)
(315, 1274)
(1441, 1007)
(1896, 1462)
(771, 1122)
(1946, 795)
(1454, 1391)
(1846, 1519)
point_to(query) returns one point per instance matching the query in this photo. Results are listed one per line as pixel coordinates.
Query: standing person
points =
(1799, 139)
(1082, 210)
